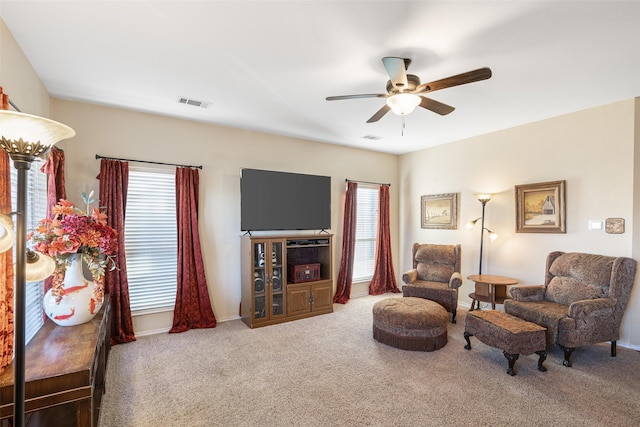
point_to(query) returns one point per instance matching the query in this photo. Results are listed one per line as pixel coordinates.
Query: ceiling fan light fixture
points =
(403, 103)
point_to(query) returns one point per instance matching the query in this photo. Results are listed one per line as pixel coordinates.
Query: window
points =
(36, 210)
(366, 233)
(150, 235)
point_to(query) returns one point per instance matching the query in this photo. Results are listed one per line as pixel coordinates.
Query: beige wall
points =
(592, 150)
(632, 317)
(222, 152)
(18, 78)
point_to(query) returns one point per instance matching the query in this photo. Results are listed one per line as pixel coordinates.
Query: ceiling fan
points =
(405, 92)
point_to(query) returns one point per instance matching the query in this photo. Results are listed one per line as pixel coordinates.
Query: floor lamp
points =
(24, 137)
(484, 199)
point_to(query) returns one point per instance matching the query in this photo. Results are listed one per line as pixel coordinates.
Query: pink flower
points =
(74, 231)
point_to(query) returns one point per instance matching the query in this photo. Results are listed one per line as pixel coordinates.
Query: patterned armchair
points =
(581, 302)
(435, 275)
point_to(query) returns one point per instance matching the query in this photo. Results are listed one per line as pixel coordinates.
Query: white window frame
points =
(36, 204)
(151, 242)
(367, 218)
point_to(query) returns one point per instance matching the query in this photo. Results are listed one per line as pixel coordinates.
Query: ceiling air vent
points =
(372, 137)
(194, 102)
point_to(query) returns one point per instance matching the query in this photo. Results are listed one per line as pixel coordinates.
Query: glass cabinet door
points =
(259, 281)
(268, 279)
(277, 278)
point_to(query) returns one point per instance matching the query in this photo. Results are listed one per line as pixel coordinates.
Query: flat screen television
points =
(271, 200)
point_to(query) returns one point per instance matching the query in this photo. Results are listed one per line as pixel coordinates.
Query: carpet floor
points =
(329, 371)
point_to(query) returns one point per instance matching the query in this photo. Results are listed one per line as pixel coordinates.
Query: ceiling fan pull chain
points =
(403, 125)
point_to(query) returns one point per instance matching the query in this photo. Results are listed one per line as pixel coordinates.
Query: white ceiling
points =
(269, 65)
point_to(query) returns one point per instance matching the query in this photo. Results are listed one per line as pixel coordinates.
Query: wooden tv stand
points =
(64, 375)
(285, 278)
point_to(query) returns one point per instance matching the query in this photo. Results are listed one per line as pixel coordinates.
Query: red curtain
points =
(193, 306)
(54, 168)
(6, 261)
(114, 182)
(343, 290)
(384, 278)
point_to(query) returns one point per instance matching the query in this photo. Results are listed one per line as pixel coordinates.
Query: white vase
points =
(78, 303)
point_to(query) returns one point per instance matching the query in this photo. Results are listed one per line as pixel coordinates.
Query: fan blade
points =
(367, 95)
(459, 79)
(435, 106)
(379, 114)
(397, 71)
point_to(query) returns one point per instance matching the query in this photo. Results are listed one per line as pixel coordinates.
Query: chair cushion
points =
(435, 263)
(578, 277)
(567, 290)
(434, 291)
(544, 313)
(434, 272)
(594, 269)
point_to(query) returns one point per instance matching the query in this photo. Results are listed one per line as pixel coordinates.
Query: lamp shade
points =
(24, 134)
(39, 266)
(469, 225)
(403, 103)
(7, 235)
(483, 197)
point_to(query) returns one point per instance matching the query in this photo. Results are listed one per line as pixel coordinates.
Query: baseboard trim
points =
(166, 330)
(361, 294)
(153, 332)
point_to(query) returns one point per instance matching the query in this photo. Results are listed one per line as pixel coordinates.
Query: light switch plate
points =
(596, 225)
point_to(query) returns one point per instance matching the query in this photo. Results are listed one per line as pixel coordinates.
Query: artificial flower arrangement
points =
(75, 231)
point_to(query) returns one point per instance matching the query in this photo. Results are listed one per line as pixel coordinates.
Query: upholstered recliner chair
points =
(581, 302)
(435, 275)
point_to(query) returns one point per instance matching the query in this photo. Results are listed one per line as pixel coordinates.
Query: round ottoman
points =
(410, 323)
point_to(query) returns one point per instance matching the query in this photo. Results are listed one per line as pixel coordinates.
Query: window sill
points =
(152, 311)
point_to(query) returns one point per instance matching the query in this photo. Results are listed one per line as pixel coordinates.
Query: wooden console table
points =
(489, 288)
(65, 369)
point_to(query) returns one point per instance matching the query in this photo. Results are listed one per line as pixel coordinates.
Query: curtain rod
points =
(15, 106)
(367, 182)
(98, 156)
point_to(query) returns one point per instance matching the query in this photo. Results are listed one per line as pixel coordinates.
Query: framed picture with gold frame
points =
(540, 208)
(439, 211)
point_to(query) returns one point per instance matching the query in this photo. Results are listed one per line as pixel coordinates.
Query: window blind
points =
(366, 233)
(151, 239)
(36, 210)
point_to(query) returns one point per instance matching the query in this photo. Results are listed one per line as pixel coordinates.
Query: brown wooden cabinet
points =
(303, 299)
(64, 374)
(269, 294)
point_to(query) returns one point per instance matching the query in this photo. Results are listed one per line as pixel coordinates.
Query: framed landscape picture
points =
(540, 208)
(439, 211)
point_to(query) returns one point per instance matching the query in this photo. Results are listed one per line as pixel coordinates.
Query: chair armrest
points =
(528, 292)
(410, 276)
(591, 307)
(455, 281)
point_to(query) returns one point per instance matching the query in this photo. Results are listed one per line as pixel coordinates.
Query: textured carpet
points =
(329, 371)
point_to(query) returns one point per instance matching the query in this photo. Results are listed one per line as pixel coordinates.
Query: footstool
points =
(410, 323)
(510, 334)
